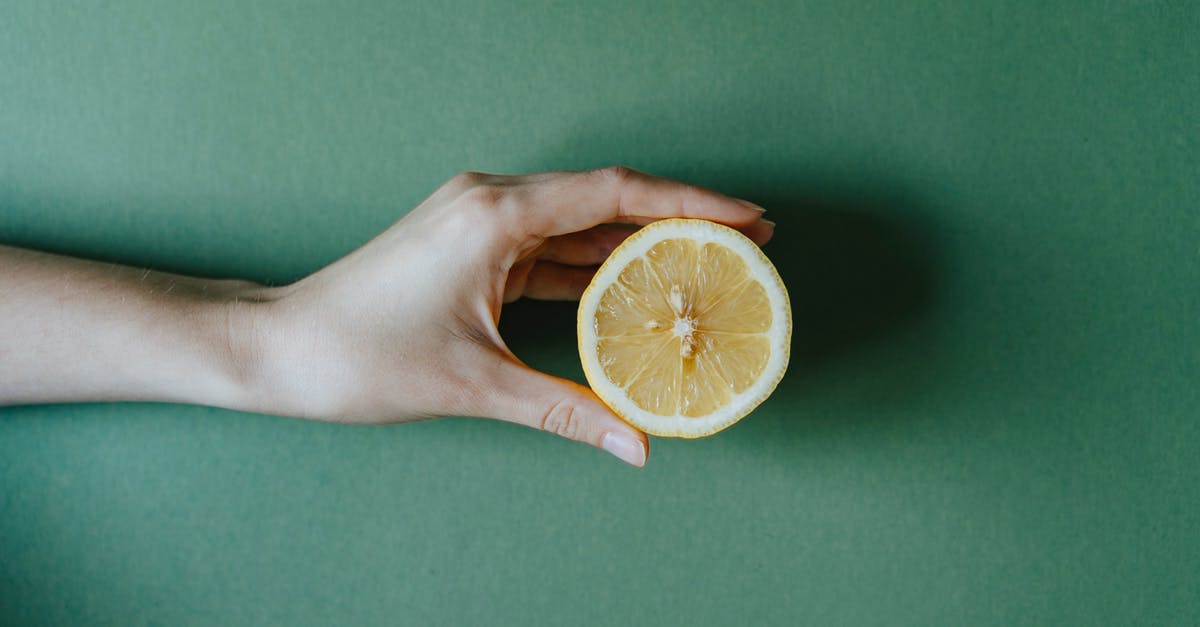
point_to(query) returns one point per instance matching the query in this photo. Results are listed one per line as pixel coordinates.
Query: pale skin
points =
(404, 328)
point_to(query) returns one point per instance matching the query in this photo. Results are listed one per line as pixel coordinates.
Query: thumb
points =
(525, 396)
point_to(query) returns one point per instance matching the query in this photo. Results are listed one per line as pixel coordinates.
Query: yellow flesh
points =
(683, 328)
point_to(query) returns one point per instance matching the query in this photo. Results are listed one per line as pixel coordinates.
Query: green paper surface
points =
(988, 221)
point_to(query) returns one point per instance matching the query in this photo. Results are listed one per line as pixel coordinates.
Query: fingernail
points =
(749, 205)
(625, 448)
(768, 222)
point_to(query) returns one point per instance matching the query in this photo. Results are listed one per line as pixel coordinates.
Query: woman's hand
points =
(405, 327)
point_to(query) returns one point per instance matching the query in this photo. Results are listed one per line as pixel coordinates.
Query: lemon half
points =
(685, 328)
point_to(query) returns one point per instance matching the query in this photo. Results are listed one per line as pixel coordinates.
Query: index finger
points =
(575, 201)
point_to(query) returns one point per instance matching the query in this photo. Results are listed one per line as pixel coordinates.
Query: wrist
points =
(244, 320)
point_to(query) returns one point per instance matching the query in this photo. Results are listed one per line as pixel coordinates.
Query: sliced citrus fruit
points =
(685, 328)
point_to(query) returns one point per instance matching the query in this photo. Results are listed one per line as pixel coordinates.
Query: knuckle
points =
(469, 179)
(459, 183)
(488, 197)
(563, 419)
(617, 173)
(498, 207)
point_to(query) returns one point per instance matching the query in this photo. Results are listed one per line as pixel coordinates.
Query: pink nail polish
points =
(625, 448)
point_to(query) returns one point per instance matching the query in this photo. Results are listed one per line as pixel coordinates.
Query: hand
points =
(405, 327)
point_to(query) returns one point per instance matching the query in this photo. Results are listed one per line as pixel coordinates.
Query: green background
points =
(989, 224)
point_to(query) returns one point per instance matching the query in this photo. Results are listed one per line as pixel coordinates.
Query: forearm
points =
(75, 330)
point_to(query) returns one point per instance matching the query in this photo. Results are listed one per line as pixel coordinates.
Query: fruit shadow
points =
(860, 270)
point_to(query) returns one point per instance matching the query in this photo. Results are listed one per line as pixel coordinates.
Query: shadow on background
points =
(858, 269)
(855, 271)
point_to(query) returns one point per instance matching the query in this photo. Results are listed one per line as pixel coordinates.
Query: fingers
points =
(586, 248)
(534, 399)
(580, 200)
(759, 232)
(545, 280)
(592, 246)
(553, 281)
(518, 276)
(558, 203)
(564, 265)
